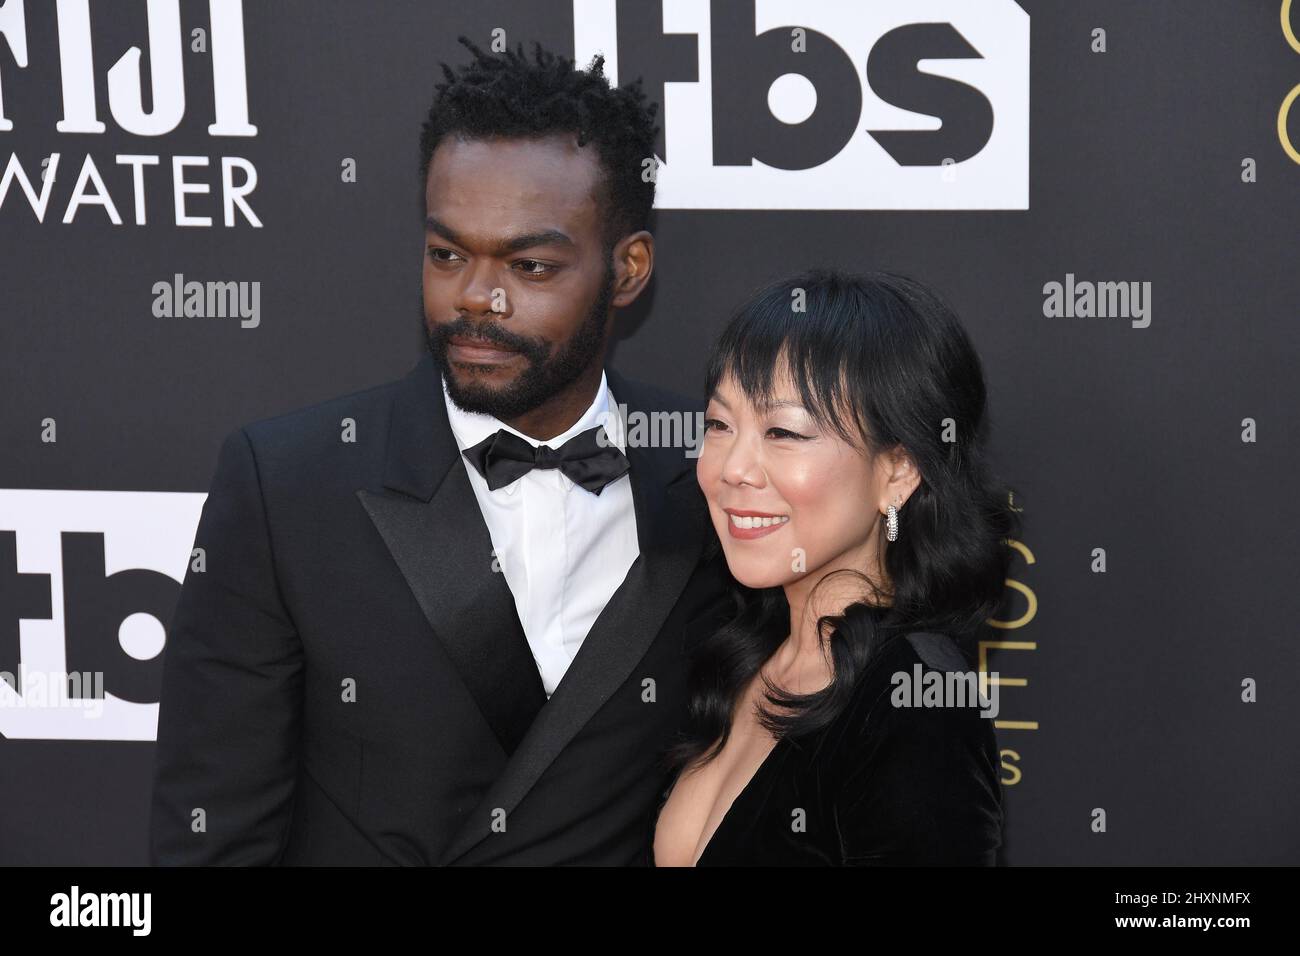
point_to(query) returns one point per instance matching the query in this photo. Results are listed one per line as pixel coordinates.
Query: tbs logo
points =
(88, 583)
(826, 104)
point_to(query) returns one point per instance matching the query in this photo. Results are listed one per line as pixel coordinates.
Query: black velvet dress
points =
(881, 785)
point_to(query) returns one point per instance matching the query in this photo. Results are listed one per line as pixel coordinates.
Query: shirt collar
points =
(470, 428)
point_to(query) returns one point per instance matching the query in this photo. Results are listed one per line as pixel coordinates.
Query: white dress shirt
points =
(564, 551)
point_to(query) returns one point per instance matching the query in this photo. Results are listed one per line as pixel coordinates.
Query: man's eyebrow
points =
(504, 247)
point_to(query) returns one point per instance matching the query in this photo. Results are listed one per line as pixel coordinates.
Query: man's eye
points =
(436, 255)
(532, 267)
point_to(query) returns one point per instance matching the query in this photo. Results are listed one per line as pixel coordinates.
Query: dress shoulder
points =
(916, 783)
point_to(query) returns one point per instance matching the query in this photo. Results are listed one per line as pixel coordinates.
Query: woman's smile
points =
(753, 524)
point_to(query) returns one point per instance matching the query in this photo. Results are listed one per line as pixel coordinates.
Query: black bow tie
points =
(504, 457)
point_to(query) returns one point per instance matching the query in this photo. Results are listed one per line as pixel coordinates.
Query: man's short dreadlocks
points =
(506, 96)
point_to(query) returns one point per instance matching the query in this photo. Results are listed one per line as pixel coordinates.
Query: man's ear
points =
(634, 260)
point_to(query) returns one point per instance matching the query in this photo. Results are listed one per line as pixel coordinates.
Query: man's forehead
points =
(489, 192)
(551, 165)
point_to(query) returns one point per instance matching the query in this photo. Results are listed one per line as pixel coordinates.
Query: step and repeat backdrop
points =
(210, 214)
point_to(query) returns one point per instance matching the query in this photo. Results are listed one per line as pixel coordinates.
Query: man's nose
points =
(482, 292)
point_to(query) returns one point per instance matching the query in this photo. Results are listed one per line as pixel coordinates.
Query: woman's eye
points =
(712, 424)
(785, 433)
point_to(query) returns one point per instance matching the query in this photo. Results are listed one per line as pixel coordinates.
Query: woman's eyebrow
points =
(783, 403)
(774, 403)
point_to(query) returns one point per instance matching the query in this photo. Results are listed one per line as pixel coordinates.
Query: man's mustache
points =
(491, 333)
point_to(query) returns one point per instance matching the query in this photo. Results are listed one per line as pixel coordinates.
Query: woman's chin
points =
(756, 577)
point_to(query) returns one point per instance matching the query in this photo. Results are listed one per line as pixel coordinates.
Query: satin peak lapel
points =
(436, 534)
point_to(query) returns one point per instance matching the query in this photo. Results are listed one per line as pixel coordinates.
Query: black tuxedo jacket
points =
(347, 680)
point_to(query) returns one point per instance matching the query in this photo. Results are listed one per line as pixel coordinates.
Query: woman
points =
(843, 467)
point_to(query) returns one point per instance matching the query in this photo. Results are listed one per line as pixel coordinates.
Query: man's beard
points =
(544, 375)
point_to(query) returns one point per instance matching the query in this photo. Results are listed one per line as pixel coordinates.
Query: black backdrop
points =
(1168, 450)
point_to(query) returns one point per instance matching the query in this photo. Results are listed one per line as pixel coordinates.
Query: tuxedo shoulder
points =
(331, 436)
(369, 400)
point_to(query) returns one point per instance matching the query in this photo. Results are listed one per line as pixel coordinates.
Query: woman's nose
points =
(742, 465)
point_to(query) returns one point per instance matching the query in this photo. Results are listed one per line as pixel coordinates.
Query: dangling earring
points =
(891, 531)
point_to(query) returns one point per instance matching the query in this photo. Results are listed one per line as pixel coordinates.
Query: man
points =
(459, 637)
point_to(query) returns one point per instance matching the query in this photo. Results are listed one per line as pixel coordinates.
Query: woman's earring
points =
(891, 531)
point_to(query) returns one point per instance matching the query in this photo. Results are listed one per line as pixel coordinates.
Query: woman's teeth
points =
(750, 521)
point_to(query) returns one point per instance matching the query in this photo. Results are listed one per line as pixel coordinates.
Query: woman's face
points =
(788, 499)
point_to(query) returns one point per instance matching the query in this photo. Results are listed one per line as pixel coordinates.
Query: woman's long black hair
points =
(882, 361)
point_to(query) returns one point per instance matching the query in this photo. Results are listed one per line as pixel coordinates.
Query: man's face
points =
(517, 278)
